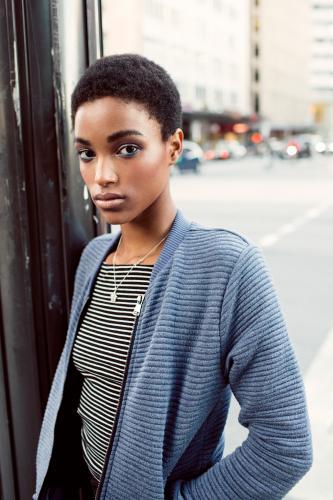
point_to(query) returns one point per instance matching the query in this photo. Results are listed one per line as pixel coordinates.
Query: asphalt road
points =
(286, 207)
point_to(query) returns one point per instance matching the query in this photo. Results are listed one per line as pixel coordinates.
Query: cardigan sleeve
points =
(259, 362)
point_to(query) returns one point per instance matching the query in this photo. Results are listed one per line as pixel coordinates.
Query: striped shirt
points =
(100, 353)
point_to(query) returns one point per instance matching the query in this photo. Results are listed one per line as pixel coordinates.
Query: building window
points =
(256, 75)
(233, 71)
(322, 7)
(256, 103)
(256, 50)
(232, 12)
(323, 56)
(219, 98)
(155, 9)
(217, 65)
(233, 100)
(200, 92)
(256, 24)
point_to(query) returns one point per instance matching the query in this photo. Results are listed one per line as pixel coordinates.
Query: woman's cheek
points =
(86, 174)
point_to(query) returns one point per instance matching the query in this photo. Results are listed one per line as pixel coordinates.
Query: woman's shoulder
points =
(216, 242)
(219, 233)
(94, 250)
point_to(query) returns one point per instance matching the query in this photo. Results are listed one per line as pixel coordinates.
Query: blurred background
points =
(256, 82)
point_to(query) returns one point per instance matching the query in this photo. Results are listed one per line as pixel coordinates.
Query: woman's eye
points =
(128, 150)
(86, 154)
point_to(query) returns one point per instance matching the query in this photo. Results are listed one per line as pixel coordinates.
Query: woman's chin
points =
(114, 217)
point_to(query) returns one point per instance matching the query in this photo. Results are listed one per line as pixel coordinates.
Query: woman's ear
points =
(176, 145)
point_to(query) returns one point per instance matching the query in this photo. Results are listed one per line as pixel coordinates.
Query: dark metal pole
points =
(7, 460)
(94, 28)
(20, 392)
(45, 216)
(70, 59)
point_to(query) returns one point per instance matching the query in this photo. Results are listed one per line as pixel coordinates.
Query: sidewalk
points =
(318, 483)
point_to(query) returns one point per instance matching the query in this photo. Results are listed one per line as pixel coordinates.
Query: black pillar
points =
(45, 216)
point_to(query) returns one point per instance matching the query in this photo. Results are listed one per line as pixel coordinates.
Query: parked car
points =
(317, 143)
(190, 158)
(329, 147)
(237, 150)
(276, 147)
(298, 147)
(294, 147)
(223, 150)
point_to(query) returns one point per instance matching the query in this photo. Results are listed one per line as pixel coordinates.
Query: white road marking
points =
(291, 227)
(317, 484)
(269, 240)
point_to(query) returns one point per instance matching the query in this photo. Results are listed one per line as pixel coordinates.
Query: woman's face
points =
(121, 152)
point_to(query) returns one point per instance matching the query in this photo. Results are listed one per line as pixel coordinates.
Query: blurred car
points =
(237, 150)
(321, 147)
(223, 150)
(209, 154)
(329, 147)
(217, 153)
(190, 158)
(298, 147)
(276, 147)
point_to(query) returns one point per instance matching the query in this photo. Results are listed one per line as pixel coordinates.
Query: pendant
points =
(113, 297)
(137, 308)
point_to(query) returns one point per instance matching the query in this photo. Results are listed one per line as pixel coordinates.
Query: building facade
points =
(203, 44)
(322, 66)
(280, 62)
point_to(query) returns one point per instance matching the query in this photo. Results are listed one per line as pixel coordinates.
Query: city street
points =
(286, 207)
(85, 116)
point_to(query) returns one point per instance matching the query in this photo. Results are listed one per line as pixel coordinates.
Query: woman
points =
(167, 318)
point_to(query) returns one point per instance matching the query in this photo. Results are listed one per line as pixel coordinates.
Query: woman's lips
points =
(109, 204)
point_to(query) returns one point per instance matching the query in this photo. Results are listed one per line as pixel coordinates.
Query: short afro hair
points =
(132, 77)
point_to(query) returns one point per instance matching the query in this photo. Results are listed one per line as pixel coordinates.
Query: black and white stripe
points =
(100, 354)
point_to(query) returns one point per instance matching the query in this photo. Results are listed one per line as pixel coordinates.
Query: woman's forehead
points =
(112, 114)
(111, 106)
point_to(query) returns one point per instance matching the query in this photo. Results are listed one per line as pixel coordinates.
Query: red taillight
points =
(256, 138)
(295, 144)
(224, 155)
(209, 155)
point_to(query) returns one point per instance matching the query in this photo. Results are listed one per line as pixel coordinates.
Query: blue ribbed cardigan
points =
(210, 324)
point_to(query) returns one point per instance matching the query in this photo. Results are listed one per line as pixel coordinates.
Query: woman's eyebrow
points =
(112, 137)
(122, 133)
(82, 141)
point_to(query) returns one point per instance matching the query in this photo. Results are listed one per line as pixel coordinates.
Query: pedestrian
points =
(168, 317)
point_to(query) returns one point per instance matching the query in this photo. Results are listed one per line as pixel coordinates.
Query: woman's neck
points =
(139, 237)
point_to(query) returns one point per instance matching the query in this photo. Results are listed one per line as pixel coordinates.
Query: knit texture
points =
(210, 323)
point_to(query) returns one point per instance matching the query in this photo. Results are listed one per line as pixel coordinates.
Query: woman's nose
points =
(105, 172)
